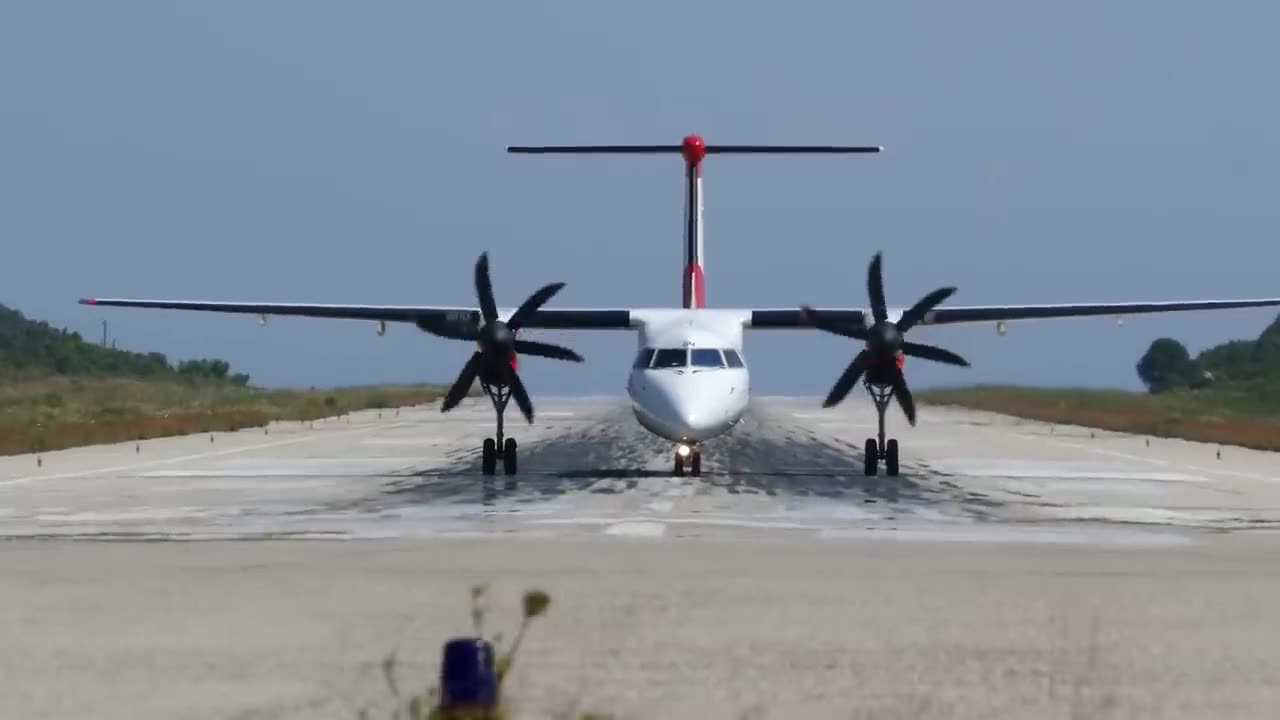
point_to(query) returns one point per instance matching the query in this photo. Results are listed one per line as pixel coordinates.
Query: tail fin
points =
(694, 150)
(694, 292)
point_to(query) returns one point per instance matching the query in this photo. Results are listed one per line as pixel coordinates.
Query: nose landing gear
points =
(691, 455)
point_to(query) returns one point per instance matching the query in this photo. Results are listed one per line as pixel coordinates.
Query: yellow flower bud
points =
(535, 603)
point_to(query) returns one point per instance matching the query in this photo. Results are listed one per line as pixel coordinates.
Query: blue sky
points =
(354, 152)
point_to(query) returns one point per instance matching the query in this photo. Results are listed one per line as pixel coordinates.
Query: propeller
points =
(496, 342)
(884, 340)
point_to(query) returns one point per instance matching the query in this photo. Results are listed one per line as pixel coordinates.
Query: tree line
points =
(34, 346)
(1167, 365)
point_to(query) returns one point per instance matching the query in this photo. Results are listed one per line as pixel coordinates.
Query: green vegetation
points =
(1227, 394)
(30, 348)
(59, 391)
(1240, 366)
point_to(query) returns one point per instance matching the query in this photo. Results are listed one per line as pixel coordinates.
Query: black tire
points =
(489, 456)
(679, 465)
(695, 465)
(871, 457)
(891, 457)
(509, 456)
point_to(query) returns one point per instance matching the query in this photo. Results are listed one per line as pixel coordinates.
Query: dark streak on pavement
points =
(768, 453)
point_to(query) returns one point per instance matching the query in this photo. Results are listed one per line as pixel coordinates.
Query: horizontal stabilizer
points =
(710, 149)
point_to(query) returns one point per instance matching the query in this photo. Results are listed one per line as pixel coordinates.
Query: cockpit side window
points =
(706, 358)
(733, 358)
(670, 358)
(642, 360)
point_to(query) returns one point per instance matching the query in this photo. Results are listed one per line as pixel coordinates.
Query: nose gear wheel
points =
(694, 462)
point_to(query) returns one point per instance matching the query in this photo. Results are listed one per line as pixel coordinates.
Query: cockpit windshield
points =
(706, 358)
(670, 358)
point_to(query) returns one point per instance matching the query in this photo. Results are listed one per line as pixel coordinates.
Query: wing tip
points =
(88, 301)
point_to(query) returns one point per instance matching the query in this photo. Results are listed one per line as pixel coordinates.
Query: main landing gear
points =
(691, 455)
(876, 449)
(496, 449)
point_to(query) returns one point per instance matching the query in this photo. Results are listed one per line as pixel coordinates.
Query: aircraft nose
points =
(685, 406)
(689, 411)
(691, 407)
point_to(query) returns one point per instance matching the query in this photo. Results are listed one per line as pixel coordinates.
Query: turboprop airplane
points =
(689, 382)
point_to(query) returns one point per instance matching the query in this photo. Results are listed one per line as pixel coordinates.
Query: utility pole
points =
(104, 333)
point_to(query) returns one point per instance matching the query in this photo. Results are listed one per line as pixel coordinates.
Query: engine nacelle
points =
(1002, 327)
(381, 328)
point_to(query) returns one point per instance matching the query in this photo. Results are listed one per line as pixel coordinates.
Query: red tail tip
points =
(88, 301)
(694, 149)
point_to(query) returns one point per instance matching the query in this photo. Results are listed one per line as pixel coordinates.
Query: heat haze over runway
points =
(587, 468)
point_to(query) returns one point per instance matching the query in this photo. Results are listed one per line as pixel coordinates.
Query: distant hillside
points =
(34, 348)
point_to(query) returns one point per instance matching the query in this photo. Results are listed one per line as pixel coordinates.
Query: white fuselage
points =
(689, 382)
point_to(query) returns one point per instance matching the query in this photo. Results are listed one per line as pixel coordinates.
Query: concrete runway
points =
(1014, 569)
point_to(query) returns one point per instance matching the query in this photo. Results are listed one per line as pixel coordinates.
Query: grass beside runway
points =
(1231, 415)
(59, 390)
(42, 414)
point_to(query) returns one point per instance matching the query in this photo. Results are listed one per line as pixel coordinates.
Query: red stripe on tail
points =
(694, 291)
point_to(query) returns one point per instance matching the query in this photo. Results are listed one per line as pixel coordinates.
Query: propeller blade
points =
(463, 383)
(907, 402)
(484, 289)
(936, 354)
(547, 350)
(847, 379)
(875, 290)
(529, 306)
(452, 331)
(522, 397)
(850, 331)
(921, 308)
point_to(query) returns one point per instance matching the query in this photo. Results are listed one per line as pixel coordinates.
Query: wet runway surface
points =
(1013, 570)
(586, 467)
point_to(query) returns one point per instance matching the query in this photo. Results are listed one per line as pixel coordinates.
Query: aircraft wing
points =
(437, 316)
(996, 313)
(999, 313)
(423, 316)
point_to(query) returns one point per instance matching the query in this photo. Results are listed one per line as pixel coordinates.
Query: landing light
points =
(683, 450)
